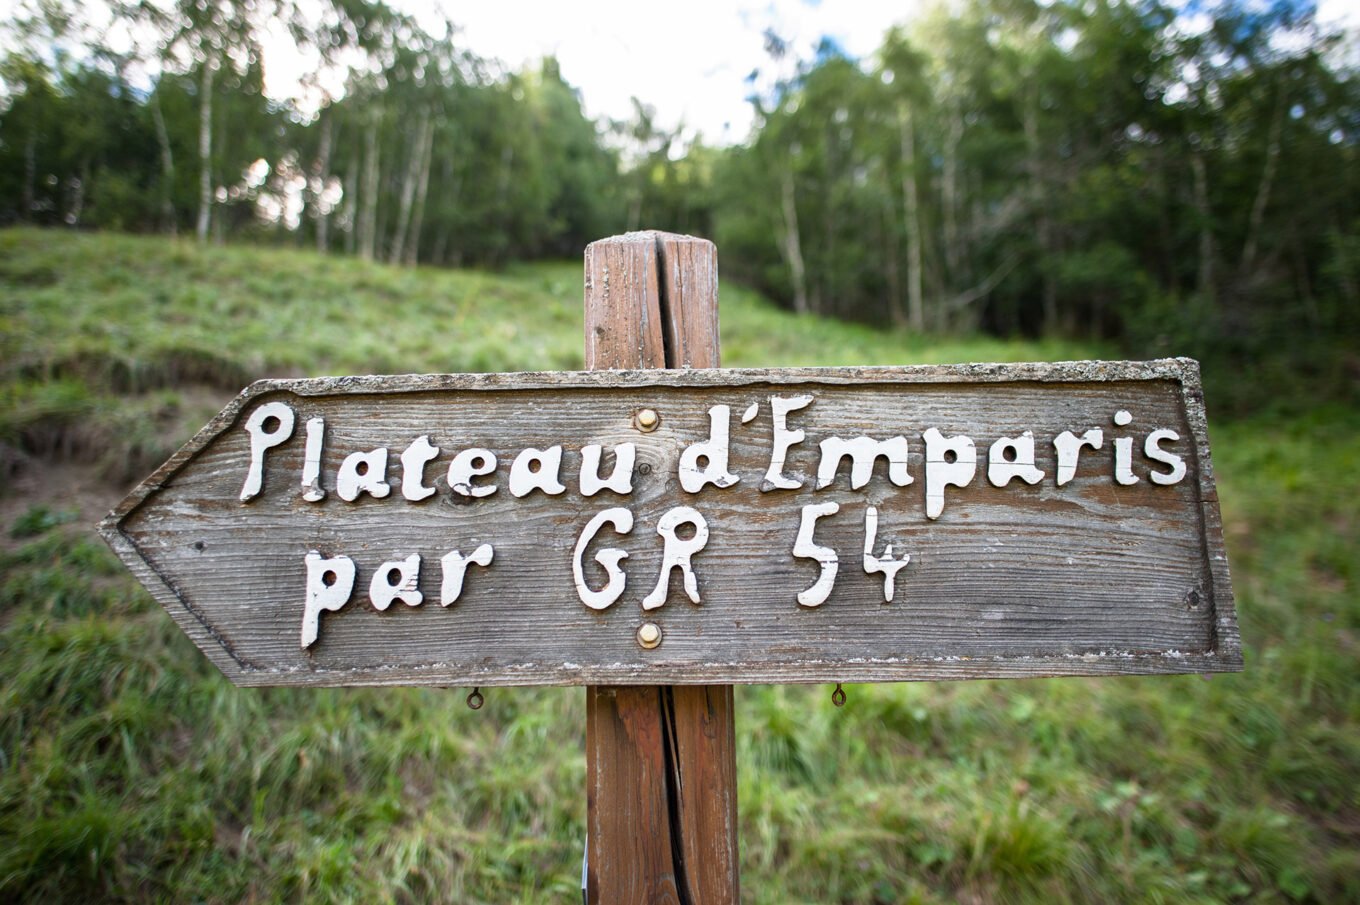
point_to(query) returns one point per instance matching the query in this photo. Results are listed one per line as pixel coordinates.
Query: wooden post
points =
(661, 772)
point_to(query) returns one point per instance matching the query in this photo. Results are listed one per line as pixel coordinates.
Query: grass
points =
(131, 771)
(101, 335)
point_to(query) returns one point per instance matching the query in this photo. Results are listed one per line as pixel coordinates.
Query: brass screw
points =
(649, 635)
(647, 420)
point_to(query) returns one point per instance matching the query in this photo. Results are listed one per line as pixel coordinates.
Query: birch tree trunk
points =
(1039, 198)
(167, 167)
(1205, 279)
(78, 195)
(323, 217)
(368, 214)
(30, 174)
(953, 253)
(205, 106)
(422, 190)
(889, 250)
(793, 249)
(1258, 207)
(916, 313)
(350, 217)
(408, 193)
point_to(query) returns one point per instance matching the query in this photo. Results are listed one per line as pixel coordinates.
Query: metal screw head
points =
(649, 635)
(647, 420)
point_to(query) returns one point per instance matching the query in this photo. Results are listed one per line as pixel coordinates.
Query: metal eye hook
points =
(838, 696)
(475, 699)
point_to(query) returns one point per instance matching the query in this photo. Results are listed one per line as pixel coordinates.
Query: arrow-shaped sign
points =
(695, 527)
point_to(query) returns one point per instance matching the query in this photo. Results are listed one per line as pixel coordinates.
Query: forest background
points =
(1001, 180)
(1075, 168)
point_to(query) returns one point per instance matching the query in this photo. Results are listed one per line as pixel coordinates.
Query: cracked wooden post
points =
(661, 774)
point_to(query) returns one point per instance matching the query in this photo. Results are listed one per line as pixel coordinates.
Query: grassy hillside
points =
(130, 770)
(114, 336)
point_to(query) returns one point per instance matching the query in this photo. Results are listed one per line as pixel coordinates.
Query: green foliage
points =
(427, 156)
(38, 520)
(1072, 169)
(131, 771)
(1107, 171)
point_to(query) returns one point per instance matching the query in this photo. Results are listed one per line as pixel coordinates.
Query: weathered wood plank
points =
(661, 794)
(623, 305)
(661, 761)
(689, 292)
(630, 858)
(704, 742)
(1089, 578)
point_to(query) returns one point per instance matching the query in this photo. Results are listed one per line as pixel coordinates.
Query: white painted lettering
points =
(885, 564)
(413, 461)
(677, 553)
(1013, 457)
(620, 481)
(363, 472)
(1153, 450)
(863, 453)
(268, 426)
(712, 452)
(312, 490)
(804, 547)
(329, 584)
(780, 406)
(396, 580)
(950, 462)
(1068, 447)
(469, 464)
(609, 558)
(537, 469)
(1123, 452)
(455, 566)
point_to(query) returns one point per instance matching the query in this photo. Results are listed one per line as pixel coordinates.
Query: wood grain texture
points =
(662, 794)
(661, 760)
(704, 775)
(689, 296)
(630, 857)
(1088, 579)
(623, 303)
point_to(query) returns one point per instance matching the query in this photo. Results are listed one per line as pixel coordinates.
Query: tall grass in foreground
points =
(130, 770)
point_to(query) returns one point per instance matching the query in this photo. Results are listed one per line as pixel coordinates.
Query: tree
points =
(208, 38)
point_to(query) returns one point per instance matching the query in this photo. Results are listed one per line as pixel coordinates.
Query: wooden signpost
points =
(658, 535)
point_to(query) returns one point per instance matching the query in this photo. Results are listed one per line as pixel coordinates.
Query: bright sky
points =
(688, 60)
